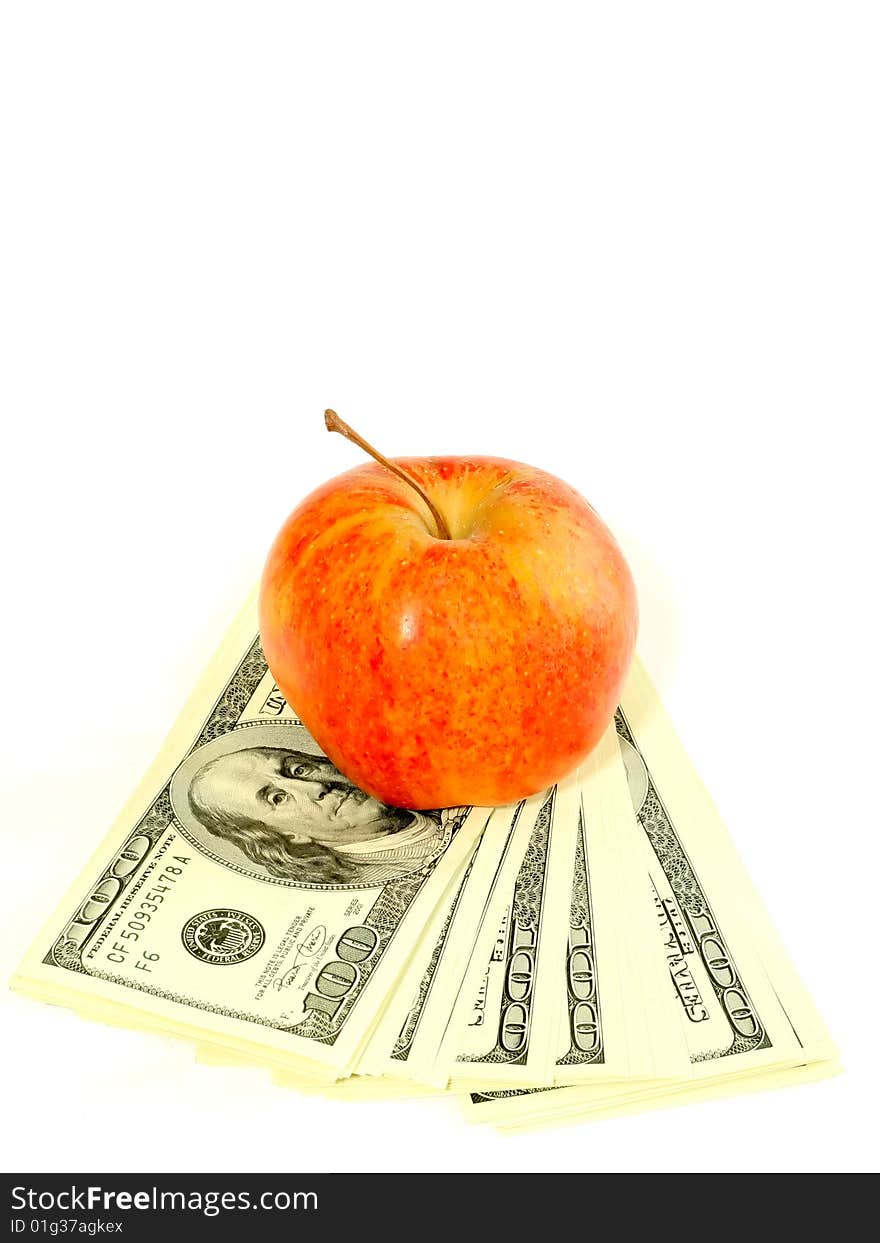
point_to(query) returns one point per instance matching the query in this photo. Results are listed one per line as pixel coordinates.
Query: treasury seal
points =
(222, 937)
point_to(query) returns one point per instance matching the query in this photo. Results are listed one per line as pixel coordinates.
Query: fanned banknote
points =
(618, 1017)
(248, 890)
(413, 1027)
(594, 949)
(742, 1009)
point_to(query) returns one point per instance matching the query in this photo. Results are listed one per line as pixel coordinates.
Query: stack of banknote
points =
(595, 949)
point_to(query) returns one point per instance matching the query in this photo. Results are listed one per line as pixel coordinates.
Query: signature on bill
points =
(307, 948)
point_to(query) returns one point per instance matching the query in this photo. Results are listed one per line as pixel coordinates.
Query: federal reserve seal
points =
(223, 937)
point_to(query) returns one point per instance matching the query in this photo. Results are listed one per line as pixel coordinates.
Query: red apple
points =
(436, 672)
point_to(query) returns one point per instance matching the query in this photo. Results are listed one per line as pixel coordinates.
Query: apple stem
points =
(333, 423)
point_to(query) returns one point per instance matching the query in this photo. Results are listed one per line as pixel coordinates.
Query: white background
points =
(636, 245)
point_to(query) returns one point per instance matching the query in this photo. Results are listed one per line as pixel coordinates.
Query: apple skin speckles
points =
(433, 672)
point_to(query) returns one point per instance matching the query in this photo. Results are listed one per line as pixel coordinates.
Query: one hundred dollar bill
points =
(741, 1007)
(415, 1022)
(504, 1022)
(249, 894)
(617, 1018)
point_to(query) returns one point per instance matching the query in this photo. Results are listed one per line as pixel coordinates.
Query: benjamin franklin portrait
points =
(263, 800)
